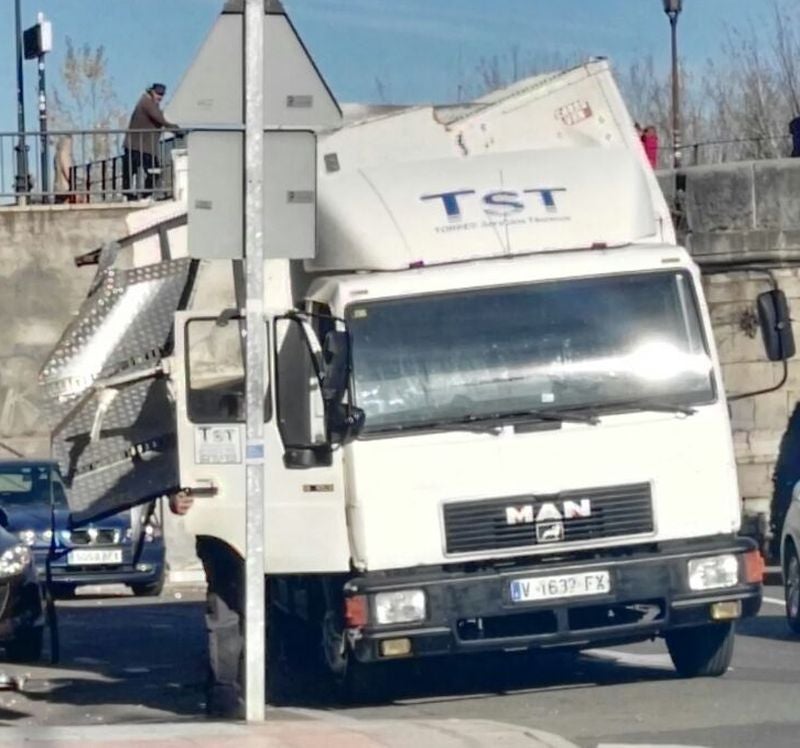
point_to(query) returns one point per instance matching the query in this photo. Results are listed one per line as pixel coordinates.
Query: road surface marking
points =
(644, 745)
(774, 601)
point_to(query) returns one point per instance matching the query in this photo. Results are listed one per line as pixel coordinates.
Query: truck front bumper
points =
(473, 611)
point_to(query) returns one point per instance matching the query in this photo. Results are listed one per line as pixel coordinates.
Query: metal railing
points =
(87, 166)
(728, 150)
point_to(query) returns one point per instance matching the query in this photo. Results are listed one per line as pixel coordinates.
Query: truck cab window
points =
(215, 371)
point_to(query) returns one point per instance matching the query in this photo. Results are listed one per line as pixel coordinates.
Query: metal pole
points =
(676, 115)
(255, 632)
(22, 150)
(45, 156)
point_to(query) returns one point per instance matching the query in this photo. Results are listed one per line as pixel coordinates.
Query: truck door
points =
(208, 381)
(305, 528)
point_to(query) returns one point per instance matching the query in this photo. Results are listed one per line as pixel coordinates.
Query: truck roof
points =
(571, 123)
(446, 210)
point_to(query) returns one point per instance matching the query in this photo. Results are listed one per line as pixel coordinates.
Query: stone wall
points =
(742, 225)
(40, 291)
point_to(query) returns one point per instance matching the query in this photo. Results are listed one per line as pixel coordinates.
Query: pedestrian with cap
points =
(141, 144)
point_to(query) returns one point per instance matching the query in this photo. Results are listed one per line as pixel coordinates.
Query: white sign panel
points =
(217, 445)
(216, 194)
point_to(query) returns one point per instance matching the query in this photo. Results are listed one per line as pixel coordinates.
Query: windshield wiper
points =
(492, 423)
(654, 405)
(460, 424)
(571, 415)
(560, 415)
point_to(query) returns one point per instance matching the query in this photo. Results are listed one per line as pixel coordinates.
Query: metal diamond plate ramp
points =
(134, 459)
(123, 329)
(123, 326)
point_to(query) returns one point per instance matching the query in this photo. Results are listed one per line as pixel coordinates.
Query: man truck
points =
(494, 417)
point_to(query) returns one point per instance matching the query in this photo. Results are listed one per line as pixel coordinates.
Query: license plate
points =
(95, 557)
(563, 585)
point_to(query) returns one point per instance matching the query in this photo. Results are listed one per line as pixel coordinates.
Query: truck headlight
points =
(713, 572)
(404, 606)
(14, 561)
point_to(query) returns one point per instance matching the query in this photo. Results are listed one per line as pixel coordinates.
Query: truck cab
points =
(513, 433)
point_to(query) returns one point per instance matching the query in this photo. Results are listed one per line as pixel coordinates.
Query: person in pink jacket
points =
(649, 138)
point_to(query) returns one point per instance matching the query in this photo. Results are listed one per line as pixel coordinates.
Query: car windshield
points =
(29, 485)
(600, 343)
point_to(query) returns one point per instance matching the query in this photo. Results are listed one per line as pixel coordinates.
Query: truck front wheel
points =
(702, 651)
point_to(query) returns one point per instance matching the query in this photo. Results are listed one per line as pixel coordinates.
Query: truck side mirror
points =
(776, 325)
(336, 365)
(298, 394)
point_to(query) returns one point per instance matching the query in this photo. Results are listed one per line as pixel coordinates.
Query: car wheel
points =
(152, 589)
(702, 651)
(791, 590)
(26, 646)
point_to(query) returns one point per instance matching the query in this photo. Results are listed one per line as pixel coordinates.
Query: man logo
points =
(548, 518)
(549, 532)
(519, 515)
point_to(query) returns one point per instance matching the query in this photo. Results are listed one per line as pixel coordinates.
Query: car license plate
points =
(563, 585)
(95, 557)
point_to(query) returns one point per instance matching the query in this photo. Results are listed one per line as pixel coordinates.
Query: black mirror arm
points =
(743, 395)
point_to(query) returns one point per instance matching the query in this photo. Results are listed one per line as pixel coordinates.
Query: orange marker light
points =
(355, 611)
(754, 567)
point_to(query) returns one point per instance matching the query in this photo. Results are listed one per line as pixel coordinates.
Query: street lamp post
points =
(22, 184)
(673, 9)
(38, 41)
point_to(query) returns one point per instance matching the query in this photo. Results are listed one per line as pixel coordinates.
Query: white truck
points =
(495, 418)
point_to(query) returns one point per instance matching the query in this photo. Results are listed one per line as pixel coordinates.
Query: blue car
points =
(127, 548)
(21, 607)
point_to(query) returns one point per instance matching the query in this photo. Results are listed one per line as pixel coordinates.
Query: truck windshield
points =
(604, 343)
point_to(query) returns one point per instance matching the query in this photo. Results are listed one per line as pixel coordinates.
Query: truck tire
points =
(26, 646)
(791, 576)
(364, 684)
(702, 651)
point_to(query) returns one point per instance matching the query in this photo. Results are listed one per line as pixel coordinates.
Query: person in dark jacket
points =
(794, 130)
(141, 144)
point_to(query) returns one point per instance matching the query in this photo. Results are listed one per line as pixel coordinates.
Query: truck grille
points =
(502, 524)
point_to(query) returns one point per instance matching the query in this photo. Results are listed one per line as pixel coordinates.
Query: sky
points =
(399, 51)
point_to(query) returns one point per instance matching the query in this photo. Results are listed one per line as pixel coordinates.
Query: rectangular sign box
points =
(216, 194)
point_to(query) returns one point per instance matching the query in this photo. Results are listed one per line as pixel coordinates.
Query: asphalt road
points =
(130, 660)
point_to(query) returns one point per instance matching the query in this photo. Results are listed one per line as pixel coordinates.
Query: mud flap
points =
(107, 397)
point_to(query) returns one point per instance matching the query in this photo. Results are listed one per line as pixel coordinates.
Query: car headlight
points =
(404, 606)
(28, 537)
(713, 572)
(14, 561)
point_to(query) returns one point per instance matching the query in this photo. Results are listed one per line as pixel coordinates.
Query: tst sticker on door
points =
(217, 445)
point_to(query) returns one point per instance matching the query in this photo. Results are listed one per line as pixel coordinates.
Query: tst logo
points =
(497, 202)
